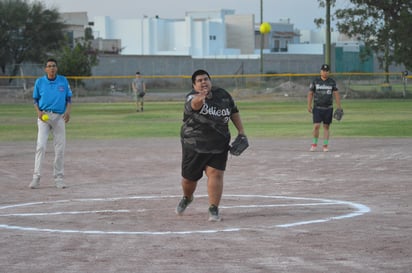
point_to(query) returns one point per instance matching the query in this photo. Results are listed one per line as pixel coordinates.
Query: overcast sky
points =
(300, 12)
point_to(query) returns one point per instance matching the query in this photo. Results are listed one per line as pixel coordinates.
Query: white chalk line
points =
(359, 209)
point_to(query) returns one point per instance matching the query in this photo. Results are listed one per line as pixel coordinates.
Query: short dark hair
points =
(199, 72)
(137, 73)
(51, 60)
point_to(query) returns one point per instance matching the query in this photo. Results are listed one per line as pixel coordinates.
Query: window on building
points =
(70, 38)
(277, 46)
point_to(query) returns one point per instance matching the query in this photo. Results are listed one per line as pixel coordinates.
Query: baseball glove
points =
(338, 114)
(239, 145)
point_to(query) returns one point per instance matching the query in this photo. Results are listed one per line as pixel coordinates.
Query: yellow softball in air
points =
(45, 117)
(265, 28)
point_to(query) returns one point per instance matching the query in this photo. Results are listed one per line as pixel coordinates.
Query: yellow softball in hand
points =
(45, 117)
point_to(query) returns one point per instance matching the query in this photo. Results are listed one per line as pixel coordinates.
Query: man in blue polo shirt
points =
(52, 101)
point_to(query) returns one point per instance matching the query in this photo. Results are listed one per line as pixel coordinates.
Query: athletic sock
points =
(315, 140)
(325, 142)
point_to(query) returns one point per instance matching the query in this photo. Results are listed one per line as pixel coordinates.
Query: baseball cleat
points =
(214, 214)
(313, 147)
(184, 202)
(60, 184)
(35, 183)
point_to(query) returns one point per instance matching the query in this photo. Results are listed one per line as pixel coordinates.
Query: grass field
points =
(269, 119)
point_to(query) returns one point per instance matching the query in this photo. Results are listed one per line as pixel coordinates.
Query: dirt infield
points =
(284, 209)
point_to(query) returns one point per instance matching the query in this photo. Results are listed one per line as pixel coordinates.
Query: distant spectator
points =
(139, 91)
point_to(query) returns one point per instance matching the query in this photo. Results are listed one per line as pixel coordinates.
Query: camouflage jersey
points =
(323, 92)
(207, 130)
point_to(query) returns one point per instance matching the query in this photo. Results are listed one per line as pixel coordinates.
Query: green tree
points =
(381, 25)
(79, 60)
(323, 4)
(403, 38)
(28, 33)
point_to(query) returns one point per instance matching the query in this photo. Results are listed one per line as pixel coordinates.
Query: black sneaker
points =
(183, 205)
(214, 214)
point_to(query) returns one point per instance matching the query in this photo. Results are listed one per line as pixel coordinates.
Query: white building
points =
(203, 34)
(199, 34)
(216, 33)
(75, 24)
(319, 36)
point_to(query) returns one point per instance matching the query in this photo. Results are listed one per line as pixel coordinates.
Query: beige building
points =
(75, 22)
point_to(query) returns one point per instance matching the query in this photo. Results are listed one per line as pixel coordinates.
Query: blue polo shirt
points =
(52, 95)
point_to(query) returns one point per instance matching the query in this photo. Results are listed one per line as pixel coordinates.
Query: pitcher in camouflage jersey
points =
(205, 138)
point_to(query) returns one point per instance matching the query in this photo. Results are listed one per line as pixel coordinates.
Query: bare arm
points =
(337, 99)
(39, 113)
(238, 123)
(66, 115)
(310, 98)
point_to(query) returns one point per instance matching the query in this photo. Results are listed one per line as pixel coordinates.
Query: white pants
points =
(57, 126)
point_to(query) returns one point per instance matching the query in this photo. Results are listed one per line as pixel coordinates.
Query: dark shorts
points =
(138, 96)
(322, 115)
(194, 163)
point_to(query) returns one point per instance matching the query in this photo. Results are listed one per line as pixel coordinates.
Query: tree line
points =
(384, 27)
(31, 32)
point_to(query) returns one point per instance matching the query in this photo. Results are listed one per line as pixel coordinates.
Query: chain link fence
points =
(351, 85)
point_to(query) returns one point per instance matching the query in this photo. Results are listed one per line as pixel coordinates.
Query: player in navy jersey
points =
(205, 138)
(320, 104)
(52, 98)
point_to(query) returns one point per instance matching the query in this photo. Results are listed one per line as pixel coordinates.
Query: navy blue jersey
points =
(323, 92)
(207, 130)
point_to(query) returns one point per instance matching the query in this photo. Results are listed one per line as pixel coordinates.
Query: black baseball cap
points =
(325, 67)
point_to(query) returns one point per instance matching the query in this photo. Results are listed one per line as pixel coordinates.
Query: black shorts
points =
(194, 163)
(322, 115)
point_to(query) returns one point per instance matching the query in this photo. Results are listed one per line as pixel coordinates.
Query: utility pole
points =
(261, 38)
(327, 42)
